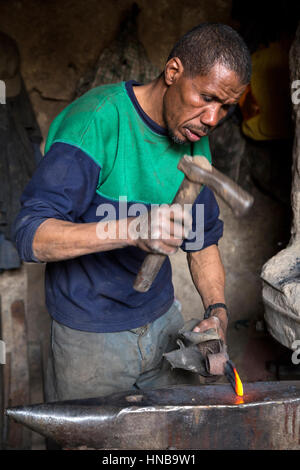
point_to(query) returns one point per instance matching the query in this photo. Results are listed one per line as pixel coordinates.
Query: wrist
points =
(218, 310)
(221, 314)
(113, 234)
(125, 233)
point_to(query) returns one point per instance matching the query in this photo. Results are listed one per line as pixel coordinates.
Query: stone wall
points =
(60, 40)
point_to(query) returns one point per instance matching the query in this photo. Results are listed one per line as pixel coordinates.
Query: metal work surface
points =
(178, 417)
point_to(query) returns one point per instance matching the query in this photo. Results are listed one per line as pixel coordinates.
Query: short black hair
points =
(210, 43)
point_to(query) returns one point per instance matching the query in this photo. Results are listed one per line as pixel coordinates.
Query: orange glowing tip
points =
(238, 384)
(239, 401)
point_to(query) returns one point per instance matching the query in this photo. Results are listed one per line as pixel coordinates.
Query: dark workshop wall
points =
(60, 40)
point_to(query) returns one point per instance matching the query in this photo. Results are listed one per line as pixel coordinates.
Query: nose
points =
(211, 115)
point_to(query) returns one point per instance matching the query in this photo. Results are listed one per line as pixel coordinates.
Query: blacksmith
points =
(124, 141)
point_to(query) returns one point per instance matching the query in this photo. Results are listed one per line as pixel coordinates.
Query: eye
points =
(207, 99)
(226, 107)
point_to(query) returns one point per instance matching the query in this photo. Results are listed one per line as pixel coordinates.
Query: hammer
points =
(198, 172)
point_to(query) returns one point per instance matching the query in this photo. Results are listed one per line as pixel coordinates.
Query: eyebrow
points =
(211, 95)
(215, 97)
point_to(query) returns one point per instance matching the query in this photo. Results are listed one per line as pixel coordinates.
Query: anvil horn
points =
(178, 417)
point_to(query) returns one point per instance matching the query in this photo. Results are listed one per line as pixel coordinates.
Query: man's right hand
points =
(162, 229)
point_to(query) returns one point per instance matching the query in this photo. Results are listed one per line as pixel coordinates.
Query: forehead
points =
(220, 82)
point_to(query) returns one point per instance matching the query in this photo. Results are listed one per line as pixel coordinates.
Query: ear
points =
(173, 70)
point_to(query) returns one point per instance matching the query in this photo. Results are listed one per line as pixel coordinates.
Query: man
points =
(126, 140)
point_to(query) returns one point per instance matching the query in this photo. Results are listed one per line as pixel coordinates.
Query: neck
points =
(150, 98)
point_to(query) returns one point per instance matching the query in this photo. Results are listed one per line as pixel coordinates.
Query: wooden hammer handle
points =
(151, 265)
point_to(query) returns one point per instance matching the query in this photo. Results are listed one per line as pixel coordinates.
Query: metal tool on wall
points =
(198, 172)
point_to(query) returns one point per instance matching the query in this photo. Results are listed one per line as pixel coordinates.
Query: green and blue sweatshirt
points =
(100, 147)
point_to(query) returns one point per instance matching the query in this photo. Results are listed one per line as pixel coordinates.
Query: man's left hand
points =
(218, 321)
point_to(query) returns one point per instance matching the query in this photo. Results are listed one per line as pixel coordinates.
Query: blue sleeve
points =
(207, 228)
(62, 187)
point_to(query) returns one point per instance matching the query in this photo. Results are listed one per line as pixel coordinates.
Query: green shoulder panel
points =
(86, 122)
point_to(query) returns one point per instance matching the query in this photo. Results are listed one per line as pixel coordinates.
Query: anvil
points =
(177, 417)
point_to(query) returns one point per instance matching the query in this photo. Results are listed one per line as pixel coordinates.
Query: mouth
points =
(192, 135)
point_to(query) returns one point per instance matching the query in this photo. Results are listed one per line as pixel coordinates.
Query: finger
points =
(174, 232)
(176, 229)
(179, 230)
(184, 218)
(158, 246)
(162, 216)
(212, 322)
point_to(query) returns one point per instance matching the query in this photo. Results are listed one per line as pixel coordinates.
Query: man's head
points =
(206, 72)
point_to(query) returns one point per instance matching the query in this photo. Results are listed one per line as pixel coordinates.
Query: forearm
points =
(208, 275)
(57, 240)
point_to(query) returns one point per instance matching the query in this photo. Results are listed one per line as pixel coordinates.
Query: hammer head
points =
(198, 170)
